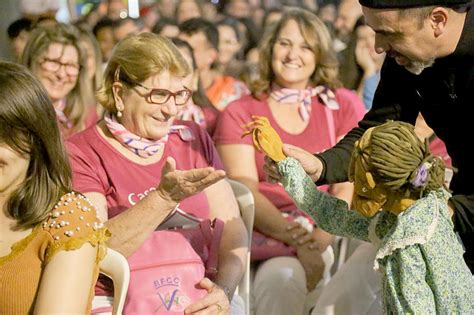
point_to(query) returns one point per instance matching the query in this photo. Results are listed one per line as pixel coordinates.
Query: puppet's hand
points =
(265, 138)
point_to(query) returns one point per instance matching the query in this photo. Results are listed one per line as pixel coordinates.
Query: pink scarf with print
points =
(62, 118)
(285, 95)
(138, 145)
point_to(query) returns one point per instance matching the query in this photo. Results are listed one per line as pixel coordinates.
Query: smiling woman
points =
(299, 94)
(55, 57)
(140, 162)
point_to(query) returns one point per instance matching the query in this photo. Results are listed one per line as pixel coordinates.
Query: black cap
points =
(400, 4)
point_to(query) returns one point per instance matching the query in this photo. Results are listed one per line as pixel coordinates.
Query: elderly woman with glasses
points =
(139, 162)
(55, 56)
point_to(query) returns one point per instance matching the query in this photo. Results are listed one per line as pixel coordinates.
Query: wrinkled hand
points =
(215, 302)
(176, 185)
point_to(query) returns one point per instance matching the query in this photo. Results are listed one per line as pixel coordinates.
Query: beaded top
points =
(72, 223)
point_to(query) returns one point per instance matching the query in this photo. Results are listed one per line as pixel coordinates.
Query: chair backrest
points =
(343, 249)
(115, 266)
(246, 202)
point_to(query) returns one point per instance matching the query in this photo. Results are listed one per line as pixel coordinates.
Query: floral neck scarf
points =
(285, 95)
(138, 145)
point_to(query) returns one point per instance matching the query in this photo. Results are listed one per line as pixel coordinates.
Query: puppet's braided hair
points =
(400, 161)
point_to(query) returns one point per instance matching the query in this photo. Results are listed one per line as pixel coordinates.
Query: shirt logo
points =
(133, 198)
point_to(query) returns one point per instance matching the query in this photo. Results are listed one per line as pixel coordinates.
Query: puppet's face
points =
(368, 198)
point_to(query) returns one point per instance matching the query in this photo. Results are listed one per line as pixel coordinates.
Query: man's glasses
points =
(160, 96)
(51, 65)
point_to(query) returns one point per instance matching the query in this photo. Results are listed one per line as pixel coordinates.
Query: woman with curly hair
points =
(300, 95)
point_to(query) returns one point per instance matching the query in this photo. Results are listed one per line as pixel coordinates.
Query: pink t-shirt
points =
(210, 114)
(438, 148)
(314, 138)
(98, 167)
(91, 119)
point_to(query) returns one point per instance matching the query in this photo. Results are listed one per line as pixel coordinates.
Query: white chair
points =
(339, 245)
(247, 209)
(115, 266)
(343, 249)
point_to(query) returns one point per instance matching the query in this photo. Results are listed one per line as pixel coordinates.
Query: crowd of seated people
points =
(133, 118)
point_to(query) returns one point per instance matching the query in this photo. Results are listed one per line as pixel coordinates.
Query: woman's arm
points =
(239, 160)
(232, 251)
(133, 226)
(234, 243)
(67, 282)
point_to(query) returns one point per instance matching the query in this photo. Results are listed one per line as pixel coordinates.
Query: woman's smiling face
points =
(293, 61)
(145, 119)
(58, 82)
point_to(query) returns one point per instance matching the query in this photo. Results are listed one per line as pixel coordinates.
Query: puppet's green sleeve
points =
(330, 213)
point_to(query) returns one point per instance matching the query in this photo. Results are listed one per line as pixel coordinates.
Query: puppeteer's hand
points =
(176, 185)
(310, 163)
(215, 302)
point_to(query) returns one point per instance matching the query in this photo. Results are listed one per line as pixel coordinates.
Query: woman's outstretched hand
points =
(176, 185)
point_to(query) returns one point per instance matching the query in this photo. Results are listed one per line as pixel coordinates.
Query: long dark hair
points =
(28, 126)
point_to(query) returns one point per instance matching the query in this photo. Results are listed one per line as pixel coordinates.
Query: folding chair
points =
(115, 266)
(246, 203)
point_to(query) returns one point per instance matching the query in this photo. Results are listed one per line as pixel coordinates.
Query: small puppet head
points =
(391, 168)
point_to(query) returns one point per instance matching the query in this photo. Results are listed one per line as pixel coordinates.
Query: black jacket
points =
(444, 94)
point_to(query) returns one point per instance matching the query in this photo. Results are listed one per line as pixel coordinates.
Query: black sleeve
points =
(464, 224)
(464, 212)
(395, 99)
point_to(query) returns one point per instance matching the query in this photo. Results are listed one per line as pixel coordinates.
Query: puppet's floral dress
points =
(418, 253)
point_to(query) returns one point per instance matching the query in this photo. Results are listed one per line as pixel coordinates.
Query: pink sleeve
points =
(210, 115)
(229, 126)
(86, 176)
(350, 113)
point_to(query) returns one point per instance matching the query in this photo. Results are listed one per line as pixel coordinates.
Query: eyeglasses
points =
(51, 65)
(161, 96)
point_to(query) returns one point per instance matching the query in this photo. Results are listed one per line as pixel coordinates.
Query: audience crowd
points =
(139, 117)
